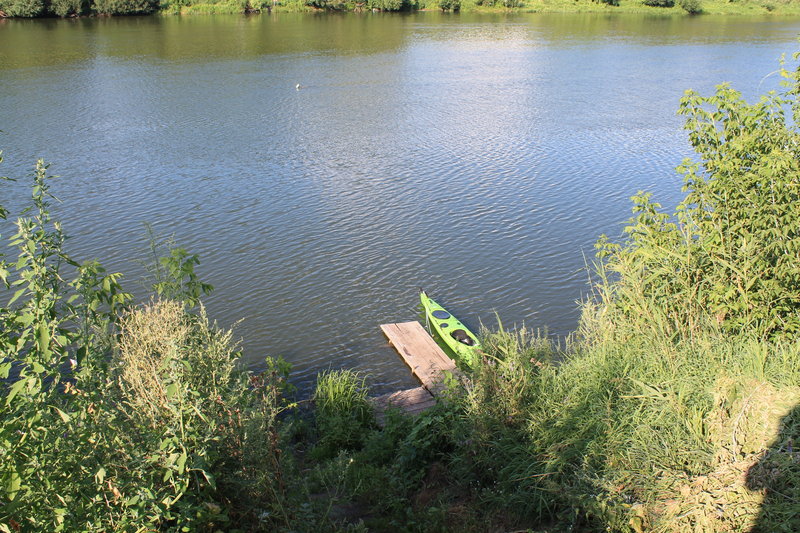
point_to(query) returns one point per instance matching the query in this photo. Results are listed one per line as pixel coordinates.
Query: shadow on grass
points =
(778, 475)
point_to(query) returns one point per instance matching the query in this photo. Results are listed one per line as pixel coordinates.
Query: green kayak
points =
(453, 333)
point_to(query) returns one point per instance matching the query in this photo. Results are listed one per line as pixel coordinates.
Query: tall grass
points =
(342, 411)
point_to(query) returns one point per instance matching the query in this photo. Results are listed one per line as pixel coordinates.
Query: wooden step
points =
(410, 401)
(425, 358)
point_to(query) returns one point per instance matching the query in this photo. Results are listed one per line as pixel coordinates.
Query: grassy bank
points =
(674, 407)
(708, 7)
(664, 8)
(71, 8)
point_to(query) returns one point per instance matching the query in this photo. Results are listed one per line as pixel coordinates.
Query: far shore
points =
(680, 8)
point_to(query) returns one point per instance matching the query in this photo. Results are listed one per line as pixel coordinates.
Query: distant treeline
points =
(76, 8)
(71, 8)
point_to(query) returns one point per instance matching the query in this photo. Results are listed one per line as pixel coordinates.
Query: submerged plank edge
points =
(410, 401)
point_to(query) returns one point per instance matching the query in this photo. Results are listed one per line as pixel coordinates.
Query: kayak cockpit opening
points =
(461, 336)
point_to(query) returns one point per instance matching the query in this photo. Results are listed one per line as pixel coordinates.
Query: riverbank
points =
(708, 7)
(674, 406)
(72, 8)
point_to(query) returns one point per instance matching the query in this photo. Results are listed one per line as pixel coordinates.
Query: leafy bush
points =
(124, 7)
(325, 4)
(389, 5)
(728, 256)
(659, 3)
(66, 8)
(450, 5)
(23, 8)
(693, 7)
(120, 418)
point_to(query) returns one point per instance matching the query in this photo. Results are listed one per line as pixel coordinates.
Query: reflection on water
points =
(477, 156)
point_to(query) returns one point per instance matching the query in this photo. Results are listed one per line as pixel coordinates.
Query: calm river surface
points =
(477, 156)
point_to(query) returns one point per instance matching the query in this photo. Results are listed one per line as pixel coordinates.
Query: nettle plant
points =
(54, 334)
(123, 417)
(729, 257)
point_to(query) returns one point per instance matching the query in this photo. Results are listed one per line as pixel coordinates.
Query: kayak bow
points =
(451, 331)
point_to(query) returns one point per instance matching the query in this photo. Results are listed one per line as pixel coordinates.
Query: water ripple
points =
(480, 159)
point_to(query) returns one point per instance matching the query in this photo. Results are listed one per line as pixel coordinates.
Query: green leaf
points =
(64, 416)
(14, 390)
(16, 295)
(13, 485)
(43, 339)
(26, 319)
(181, 463)
(172, 390)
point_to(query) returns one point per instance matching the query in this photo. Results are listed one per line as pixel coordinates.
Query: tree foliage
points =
(450, 5)
(23, 8)
(389, 5)
(731, 252)
(693, 7)
(124, 7)
(68, 8)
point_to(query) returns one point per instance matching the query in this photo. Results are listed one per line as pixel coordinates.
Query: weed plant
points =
(342, 411)
(122, 417)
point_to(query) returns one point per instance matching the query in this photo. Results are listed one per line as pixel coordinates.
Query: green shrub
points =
(728, 256)
(326, 4)
(450, 5)
(66, 8)
(389, 5)
(693, 7)
(659, 3)
(119, 418)
(124, 7)
(23, 8)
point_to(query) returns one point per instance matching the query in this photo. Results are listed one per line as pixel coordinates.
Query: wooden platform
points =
(420, 352)
(427, 362)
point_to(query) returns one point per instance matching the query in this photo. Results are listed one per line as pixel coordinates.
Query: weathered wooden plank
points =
(409, 398)
(420, 352)
(410, 401)
(427, 362)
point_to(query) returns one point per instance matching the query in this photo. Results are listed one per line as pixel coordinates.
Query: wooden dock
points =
(427, 362)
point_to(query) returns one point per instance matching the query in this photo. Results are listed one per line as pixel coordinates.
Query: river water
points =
(477, 156)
